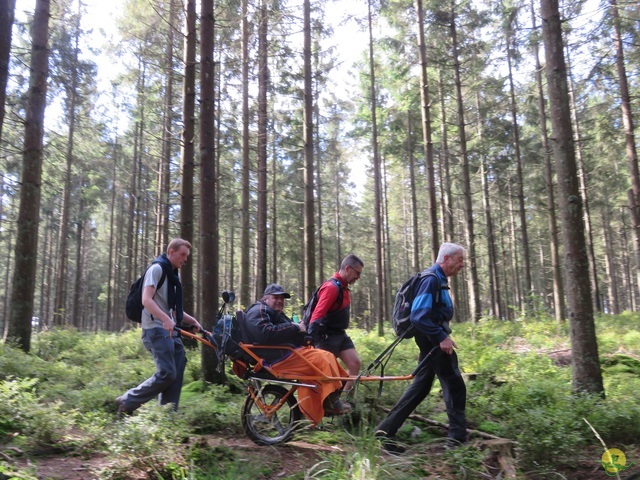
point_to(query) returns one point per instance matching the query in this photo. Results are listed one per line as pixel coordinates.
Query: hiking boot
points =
(453, 443)
(334, 406)
(122, 410)
(389, 444)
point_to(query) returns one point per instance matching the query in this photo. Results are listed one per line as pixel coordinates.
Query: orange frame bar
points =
(320, 377)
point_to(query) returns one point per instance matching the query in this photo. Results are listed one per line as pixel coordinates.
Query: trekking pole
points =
(387, 352)
(424, 361)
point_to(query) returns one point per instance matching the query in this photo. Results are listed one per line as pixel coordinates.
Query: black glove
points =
(316, 330)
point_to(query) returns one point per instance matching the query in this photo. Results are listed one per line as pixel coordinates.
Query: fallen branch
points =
(428, 421)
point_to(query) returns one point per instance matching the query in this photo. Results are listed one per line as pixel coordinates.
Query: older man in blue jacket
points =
(431, 312)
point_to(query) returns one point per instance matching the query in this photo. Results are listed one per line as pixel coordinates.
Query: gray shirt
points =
(152, 278)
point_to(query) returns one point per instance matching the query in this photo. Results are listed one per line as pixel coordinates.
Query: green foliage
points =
(154, 430)
(13, 472)
(211, 408)
(515, 391)
(25, 416)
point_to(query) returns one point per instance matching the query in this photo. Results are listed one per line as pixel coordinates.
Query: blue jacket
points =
(429, 317)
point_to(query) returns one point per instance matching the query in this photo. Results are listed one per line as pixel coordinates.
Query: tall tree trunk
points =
(7, 12)
(112, 237)
(79, 286)
(494, 281)
(245, 233)
(209, 290)
(445, 178)
(164, 172)
(629, 133)
(475, 309)
(593, 265)
(524, 235)
(425, 107)
(377, 174)
(263, 78)
(386, 241)
(60, 315)
(337, 213)
(558, 288)
(307, 135)
(18, 327)
(587, 375)
(188, 137)
(627, 284)
(607, 240)
(415, 227)
(132, 226)
(316, 146)
(274, 215)
(43, 279)
(515, 265)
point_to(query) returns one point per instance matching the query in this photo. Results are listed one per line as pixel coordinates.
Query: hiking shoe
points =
(389, 444)
(453, 443)
(122, 410)
(338, 408)
(393, 448)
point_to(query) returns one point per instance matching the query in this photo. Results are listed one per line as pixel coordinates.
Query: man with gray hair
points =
(431, 311)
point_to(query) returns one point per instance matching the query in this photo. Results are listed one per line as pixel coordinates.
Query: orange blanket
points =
(310, 399)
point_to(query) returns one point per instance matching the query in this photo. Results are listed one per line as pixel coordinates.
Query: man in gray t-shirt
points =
(162, 311)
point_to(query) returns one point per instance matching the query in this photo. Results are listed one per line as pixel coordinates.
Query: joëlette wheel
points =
(276, 425)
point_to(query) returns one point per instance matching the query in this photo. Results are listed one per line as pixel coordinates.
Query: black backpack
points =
(227, 334)
(133, 306)
(310, 306)
(404, 299)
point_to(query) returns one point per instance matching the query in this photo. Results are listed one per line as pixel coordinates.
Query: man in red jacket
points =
(330, 318)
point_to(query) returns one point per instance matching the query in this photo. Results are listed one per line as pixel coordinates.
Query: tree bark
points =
(377, 174)
(245, 233)
(263, 79)
(60, 314)
(524, 235)
(307, 135)
(18, 328)
(494, 280)
(188, 166)
(558, 287)
(209, 290)
(475, 310)
(445, 174)
(415, 227)
(629, 134)
(7, 12)
(425, 104)
(587, 375)
(607, 240)
(164, 171)
(111, 281)
(582, 175)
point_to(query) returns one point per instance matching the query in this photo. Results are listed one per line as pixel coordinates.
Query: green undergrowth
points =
(59, 400)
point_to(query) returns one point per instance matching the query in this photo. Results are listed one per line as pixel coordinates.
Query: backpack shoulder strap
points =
(426, 274)
(338, 285)
(241, 325)
(164, 272)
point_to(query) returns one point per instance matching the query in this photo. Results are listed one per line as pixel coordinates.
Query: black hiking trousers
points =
(445, 367)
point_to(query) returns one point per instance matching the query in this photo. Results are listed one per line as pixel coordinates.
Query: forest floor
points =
(295, 457)
(301, 456)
